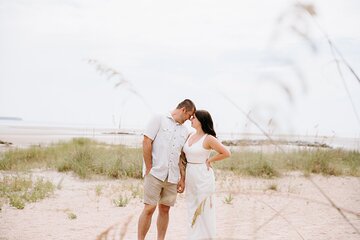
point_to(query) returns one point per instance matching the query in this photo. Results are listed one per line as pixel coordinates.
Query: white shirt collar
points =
(171, 117)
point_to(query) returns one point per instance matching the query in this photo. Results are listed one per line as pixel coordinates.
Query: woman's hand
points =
(208, 164)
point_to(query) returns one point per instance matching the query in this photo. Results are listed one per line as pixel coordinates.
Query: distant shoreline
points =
(23, 134)
(11, 119)
(265, 142)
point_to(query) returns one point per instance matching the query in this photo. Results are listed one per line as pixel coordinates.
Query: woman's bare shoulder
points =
(209, 140)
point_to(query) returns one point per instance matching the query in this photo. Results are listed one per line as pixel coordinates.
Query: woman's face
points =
(195, 123)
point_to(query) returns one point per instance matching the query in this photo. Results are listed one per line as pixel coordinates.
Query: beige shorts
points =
(157, 191)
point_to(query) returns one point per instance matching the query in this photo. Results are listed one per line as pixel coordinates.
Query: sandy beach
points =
(296, 210)
(84, 209)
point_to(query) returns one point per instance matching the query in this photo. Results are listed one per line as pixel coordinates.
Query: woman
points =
(200, 179)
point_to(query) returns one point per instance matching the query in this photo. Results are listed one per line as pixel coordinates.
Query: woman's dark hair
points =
(206, 121)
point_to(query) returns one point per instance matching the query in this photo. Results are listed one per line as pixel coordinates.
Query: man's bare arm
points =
(147, 153)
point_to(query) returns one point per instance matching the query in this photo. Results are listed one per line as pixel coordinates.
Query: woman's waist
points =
(195, 161)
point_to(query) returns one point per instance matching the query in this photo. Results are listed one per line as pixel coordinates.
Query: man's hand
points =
(147, 171)
(181, 186)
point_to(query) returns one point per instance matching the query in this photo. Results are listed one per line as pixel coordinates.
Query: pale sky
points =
(171, 50)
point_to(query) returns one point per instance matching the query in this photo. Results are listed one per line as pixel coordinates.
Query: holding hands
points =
(181, 186)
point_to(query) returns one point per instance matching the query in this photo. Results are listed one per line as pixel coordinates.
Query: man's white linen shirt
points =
(168, 138)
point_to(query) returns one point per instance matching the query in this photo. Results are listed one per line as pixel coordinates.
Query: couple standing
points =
(167, 149)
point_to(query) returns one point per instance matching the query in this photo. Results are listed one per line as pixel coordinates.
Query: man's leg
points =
(162, 221)
(152, 191)
(145, 220)
(168, 198)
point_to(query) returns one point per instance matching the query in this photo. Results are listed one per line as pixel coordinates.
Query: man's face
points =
(187, 115)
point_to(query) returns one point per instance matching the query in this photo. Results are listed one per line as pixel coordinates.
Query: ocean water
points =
(25, 133)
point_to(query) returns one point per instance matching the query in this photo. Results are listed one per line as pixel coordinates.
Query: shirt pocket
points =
(165, 134)
(165, 131)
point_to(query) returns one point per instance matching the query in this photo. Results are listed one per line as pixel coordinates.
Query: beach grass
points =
(82, 156)
(87, 158)
(333, 162)
(19, 190)
(121, 201)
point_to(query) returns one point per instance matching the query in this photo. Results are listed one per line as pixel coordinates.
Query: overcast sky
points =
(228, 56)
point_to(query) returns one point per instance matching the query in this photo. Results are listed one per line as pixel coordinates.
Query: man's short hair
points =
(188, 104)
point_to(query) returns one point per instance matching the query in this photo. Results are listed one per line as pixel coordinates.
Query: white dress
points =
(199, 191)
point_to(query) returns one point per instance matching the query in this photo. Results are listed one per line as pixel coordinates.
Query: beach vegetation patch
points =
(334, 162)
(121, 201)
(19, 190)
(87, 158)
(82, 156)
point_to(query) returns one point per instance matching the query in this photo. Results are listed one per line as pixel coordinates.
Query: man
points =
(164, 177)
